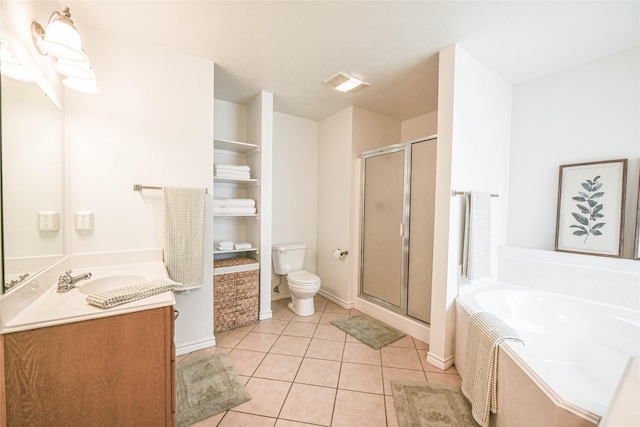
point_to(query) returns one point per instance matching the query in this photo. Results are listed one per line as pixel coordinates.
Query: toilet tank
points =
(288, 257)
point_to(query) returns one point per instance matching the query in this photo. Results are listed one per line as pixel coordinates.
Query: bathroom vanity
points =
(117, 370)
(64, 362)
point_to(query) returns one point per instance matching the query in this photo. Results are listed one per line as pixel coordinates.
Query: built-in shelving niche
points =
(244, 136)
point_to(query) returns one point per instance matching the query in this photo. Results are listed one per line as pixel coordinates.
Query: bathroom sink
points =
(105, 283)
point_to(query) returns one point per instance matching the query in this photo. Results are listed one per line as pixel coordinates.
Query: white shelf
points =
(216, 252)
(237, 146)
(235, 180)
(234, 215)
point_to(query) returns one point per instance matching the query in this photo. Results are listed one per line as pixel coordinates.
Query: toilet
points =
(288, 259)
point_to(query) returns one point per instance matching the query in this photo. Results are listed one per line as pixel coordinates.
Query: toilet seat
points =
(303, 278)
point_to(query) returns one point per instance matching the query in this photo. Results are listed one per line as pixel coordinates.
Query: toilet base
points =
(302, 307)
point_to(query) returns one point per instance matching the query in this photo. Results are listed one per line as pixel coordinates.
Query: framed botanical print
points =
(590, 217)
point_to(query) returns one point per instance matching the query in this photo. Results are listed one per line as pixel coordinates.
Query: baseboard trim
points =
(279, 297)
(438, 362)
(409, 326)
(340, 302)
(265, 315)
(195, 346)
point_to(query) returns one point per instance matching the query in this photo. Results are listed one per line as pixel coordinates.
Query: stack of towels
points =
(232, 171)
(228, 245)
(234, 206)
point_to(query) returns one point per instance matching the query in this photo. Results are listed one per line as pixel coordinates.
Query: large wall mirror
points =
(32, 181)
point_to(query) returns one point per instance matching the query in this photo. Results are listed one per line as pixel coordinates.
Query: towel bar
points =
(138, 187)
(465, 193)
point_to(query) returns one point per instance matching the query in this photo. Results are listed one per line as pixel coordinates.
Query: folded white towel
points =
(225, 245)
(233, 210)
(234, 175)
(237, 168)
(243, 245)
(239, 203)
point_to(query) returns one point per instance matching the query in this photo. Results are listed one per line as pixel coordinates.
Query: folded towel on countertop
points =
(242, 246)
(114, 297)
(238, 203)
(233, 210)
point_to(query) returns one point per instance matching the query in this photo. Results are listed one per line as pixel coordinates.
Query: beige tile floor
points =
(303, 371)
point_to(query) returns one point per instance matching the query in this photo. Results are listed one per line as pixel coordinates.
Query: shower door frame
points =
(405, 227)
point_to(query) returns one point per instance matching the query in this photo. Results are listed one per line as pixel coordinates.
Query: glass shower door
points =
(382, 268)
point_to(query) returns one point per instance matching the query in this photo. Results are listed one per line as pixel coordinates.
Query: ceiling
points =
(289, 48)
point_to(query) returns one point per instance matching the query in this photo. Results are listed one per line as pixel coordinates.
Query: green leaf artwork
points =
(590, 210)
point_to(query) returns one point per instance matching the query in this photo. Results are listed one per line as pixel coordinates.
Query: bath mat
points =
(206, 386)
(433, 405)
(368, 330)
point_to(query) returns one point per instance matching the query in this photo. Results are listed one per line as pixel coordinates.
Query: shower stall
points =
(398, 196)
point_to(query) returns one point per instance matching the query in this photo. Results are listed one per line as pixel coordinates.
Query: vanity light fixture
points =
(62, 40)
(343, 82)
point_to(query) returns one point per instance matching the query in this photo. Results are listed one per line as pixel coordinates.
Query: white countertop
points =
(36, 303)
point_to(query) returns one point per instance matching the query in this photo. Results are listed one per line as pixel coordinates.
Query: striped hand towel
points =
(114, 297)
(484, 335)
(477, 236)
(184, 235)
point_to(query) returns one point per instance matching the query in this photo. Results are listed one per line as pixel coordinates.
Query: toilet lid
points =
(303, 278)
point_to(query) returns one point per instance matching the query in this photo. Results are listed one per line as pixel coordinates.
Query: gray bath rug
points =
(368, 330)
(206, 386)
(420, 404)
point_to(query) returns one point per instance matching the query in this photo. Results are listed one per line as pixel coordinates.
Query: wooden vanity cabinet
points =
(112, 371)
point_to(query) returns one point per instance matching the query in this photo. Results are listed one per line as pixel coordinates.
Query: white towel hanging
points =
(477, 236)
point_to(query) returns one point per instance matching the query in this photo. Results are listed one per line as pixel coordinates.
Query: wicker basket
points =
(236, 293)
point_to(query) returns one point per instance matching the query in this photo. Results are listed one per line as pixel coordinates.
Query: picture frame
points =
(590, 211)
(636, 247)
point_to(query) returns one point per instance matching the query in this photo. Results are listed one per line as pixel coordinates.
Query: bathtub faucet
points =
(67, 281)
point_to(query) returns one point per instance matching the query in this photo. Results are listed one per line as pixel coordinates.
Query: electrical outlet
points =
(48, 221)
(84, 220)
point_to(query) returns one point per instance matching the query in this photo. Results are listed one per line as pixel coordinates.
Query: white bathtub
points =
(575, 350)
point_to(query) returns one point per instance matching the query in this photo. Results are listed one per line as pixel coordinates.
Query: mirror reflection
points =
(32, 181)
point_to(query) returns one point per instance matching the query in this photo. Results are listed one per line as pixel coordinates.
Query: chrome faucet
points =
(67, 281)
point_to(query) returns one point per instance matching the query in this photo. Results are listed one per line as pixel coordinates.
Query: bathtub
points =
(575, 350)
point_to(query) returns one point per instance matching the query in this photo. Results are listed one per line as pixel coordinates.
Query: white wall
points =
(152, 125)
(587, 113)
(474, 118)
(419, 127)
(334, 204)
(295, 187)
